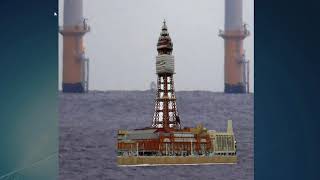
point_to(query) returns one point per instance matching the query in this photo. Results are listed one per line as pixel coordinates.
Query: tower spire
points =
(164, 45)
(164, 26)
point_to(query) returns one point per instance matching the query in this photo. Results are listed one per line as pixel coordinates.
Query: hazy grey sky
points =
(124, 33)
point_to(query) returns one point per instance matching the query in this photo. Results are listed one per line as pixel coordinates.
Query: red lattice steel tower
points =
(166, 114)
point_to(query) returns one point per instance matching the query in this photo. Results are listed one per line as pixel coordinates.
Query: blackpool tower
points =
(166, 142)
(165, 115)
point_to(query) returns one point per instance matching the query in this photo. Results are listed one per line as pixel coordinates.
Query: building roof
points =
(142, 134)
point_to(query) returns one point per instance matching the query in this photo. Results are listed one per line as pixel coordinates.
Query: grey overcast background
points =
(124, 33)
